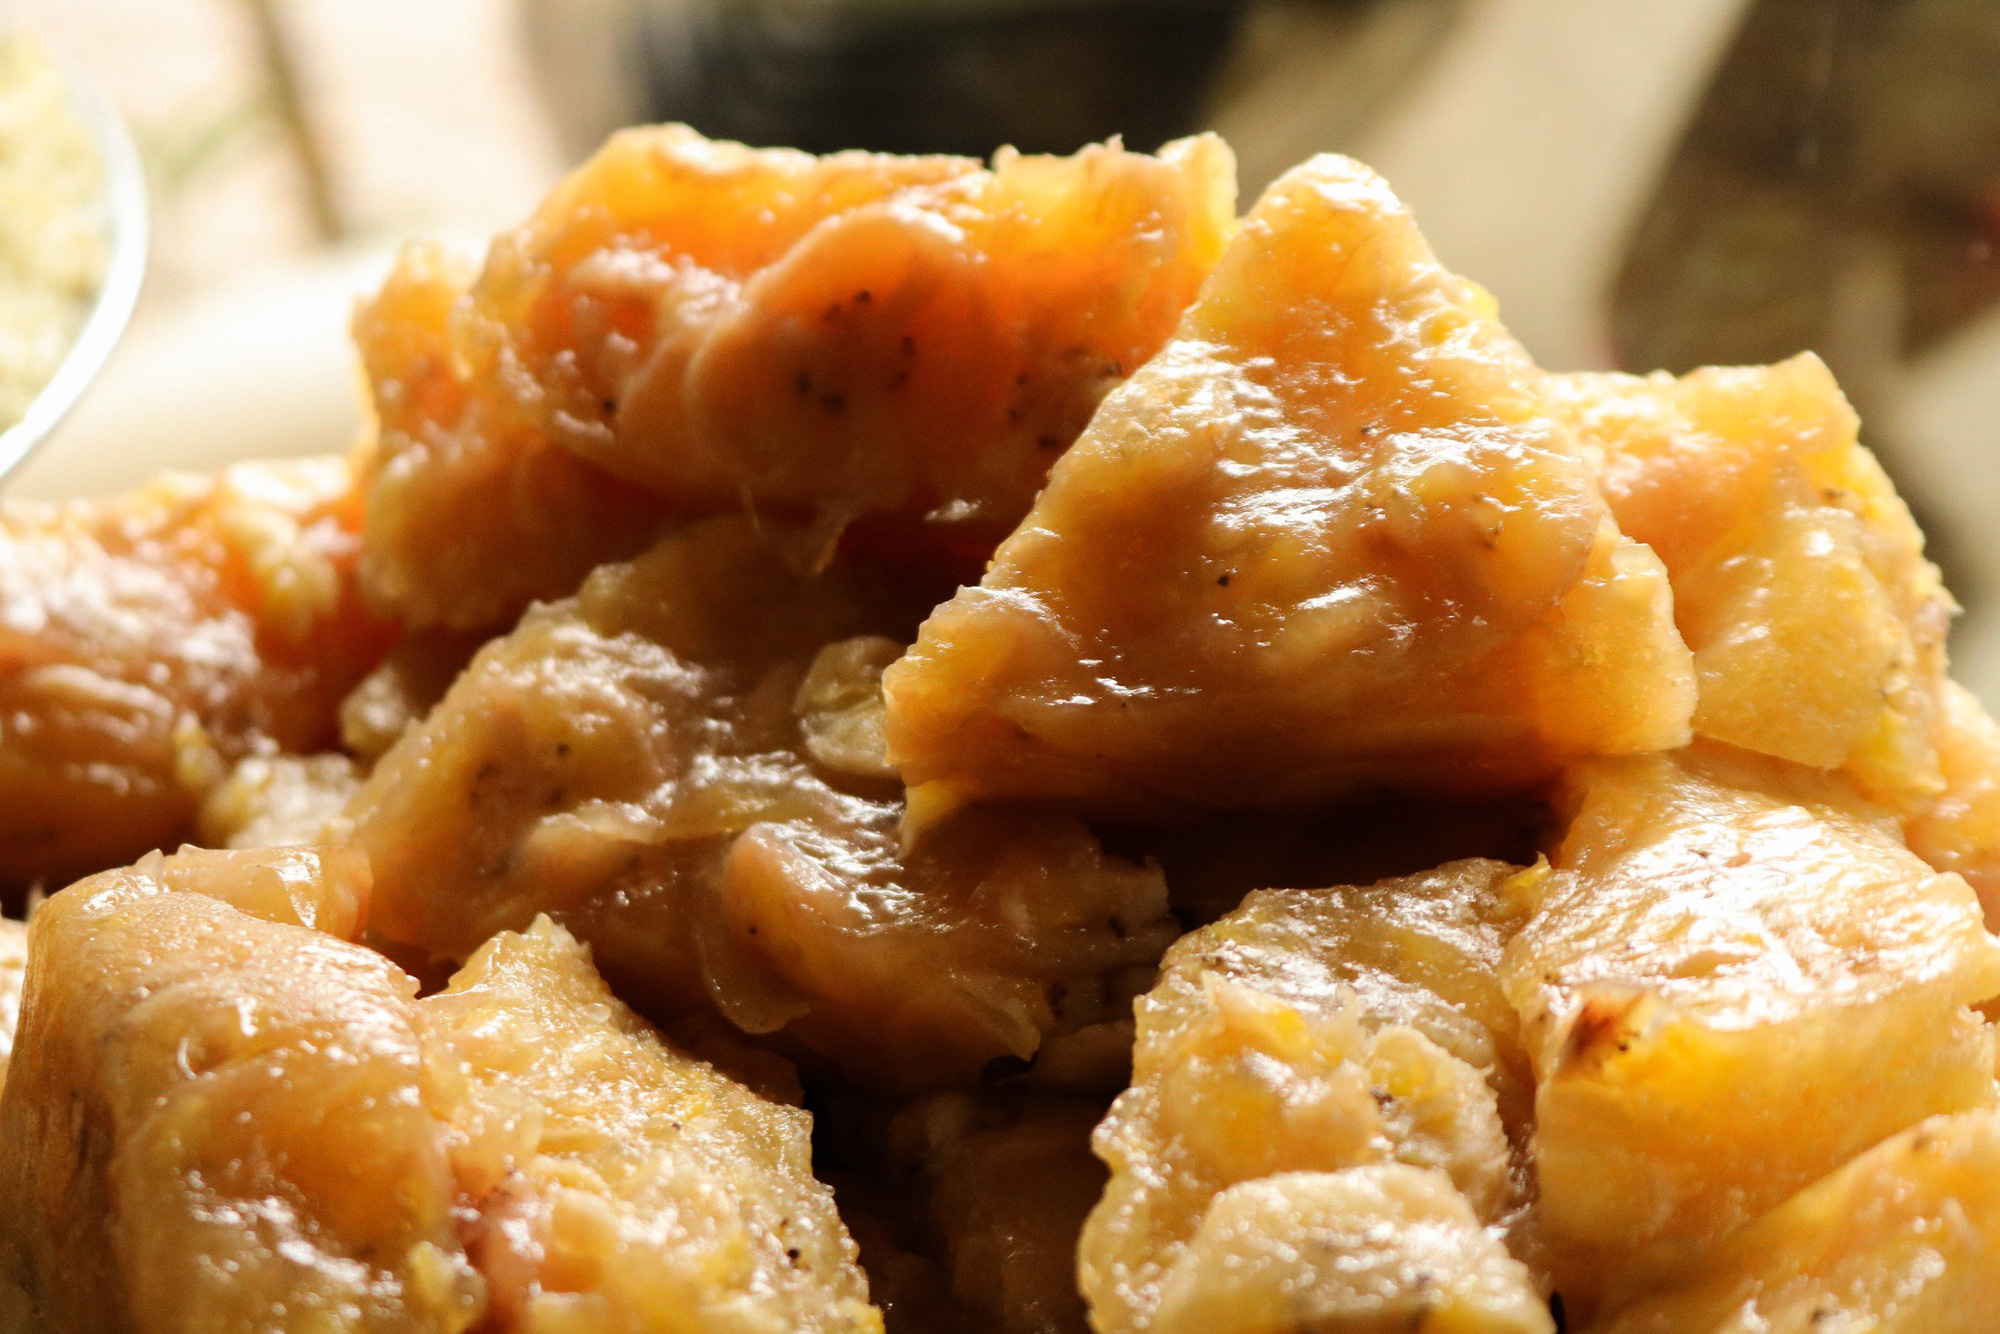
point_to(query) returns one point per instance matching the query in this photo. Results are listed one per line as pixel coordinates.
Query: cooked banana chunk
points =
(1799, 578)
(473, 512)
(275, 801)
(1331, 536)
(651, 711)
(323, 889)
(213, 1118)
(1308, 1032)
(221, 1118)
(1959, 829)
(926, 355)
(1905, 1239)
(695, 326)
(1715, 970)
(149, 640)
(13, 973)
(677, 764)
(914, 969)
(1818, 628)
(621, 1185)
(1368, 1249)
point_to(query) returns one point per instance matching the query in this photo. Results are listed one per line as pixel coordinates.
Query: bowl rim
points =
(128, 223)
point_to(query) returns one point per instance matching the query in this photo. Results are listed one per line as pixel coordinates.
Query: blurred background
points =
(1643, 183)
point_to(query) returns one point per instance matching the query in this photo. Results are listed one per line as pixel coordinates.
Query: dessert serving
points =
(900, 744)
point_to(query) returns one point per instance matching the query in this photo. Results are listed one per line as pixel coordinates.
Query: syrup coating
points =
(1331, 536)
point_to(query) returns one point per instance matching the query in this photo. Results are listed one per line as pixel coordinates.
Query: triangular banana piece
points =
(1331, 536)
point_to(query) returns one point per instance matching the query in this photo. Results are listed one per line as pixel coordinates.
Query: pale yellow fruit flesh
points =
(620, 1184)
(677, 764)
(1724, 955)
(1799, 579)
(153, 638)
(1960, 829)
(688, 326)
(213, 1119)
(1331, 536)
(276, 801)
(1902, 1239)
(926, 356)
(223, 1118)
(1366, 1250)
(473, 512)
(1308, 1032)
